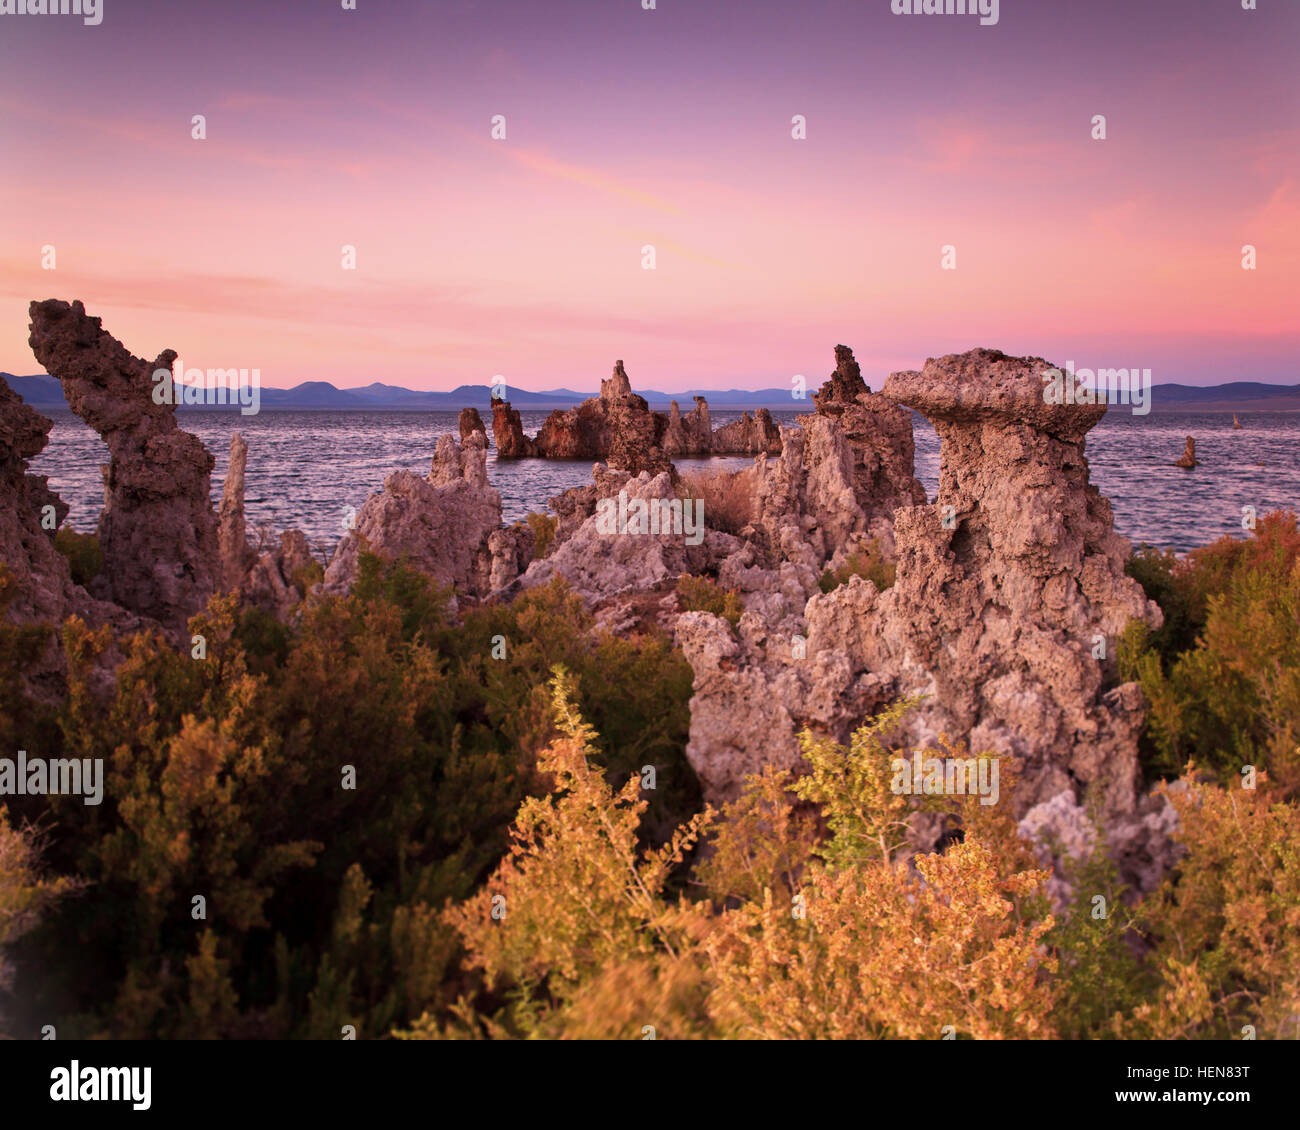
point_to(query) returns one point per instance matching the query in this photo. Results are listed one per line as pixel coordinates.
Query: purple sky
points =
(523, 257)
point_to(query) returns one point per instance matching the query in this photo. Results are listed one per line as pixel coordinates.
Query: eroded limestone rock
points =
(599, 560)
(441, 523)
(508, 432)
(749, 435)
(880, 438)
(1009, 599)
(237, 556)
(157, 532)
(470, 421)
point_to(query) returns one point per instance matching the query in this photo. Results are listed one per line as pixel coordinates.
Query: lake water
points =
(306, 468)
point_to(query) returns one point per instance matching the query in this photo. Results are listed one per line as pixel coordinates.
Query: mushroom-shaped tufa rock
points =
(1009, 598)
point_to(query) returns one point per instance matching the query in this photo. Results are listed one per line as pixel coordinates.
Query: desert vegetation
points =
(430, 829)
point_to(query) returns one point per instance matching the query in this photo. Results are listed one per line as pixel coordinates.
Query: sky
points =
(522, 258)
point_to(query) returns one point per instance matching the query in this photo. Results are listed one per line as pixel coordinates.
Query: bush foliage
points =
(1222, 674)
(225, 778)
(383, 817)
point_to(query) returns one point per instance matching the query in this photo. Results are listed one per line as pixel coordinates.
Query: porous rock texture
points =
(758, 685)
(157, 531)
(599, 562)
(441, 523)
(237, 556)
(688, 435)
(748, 435)
(30, 513)
(1009, 598)
(278, 578)
(40, 588)
(470, 421)
(508, 432)
(879, 433)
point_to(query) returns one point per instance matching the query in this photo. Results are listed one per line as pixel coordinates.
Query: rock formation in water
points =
(1236, 424)
(470, 421)
(619, 428)
(688, 435)
(237, 556)
(508, 432)
(756, 435)
(1188, 458)
(616, 426)
(441, 523)
(880, 436)
(1009, 600)
(157, 531)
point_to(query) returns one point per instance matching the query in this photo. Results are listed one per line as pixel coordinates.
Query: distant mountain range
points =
(45, 392)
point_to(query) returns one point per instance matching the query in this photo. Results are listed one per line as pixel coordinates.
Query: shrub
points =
(727, 497)
(873, 565)
(1225, 922)
(575, 932)
(328, 786)
(699, 594)
(83, 554)
(543, 527)
(1231, 698)
(24, 895)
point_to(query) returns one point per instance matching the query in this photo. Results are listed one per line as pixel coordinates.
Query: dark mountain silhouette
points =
(42, 391)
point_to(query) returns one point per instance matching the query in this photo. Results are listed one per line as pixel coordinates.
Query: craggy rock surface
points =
(749, 435)
(805, 506)
(618, 427)
(157, 532)
(470, 421)
(508, 432)
(1188, 458)
(880, 437)
(41, 589)
(598, 564)
(237, 556)
(1005, 590)
(277, 580)
(441, 523)
(43, 584)
(689, 435)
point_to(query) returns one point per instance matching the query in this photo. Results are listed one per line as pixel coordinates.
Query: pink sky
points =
(522, 257)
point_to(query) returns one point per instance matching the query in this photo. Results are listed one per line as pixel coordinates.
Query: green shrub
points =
(1230, 697)
(543, 527)
(327, 786)
(83, 554)
(699, 594)
(873, 565)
